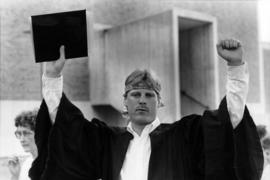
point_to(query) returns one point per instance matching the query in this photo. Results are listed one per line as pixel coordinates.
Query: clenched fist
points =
(231, 50)
(54, 69)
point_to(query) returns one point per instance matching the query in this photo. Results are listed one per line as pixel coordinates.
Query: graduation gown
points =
(197, 147)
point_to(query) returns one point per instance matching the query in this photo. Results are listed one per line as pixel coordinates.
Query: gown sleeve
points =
(230, 153)
(71, 148)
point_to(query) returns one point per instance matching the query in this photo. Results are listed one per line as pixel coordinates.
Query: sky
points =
(264, 20)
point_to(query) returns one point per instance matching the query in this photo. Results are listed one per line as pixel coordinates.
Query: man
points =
(221, 144)
(25, 124)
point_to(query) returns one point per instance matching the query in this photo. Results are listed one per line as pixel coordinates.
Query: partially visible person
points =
(261, 129)
(265, 142)
(25, 124)
(266, 153)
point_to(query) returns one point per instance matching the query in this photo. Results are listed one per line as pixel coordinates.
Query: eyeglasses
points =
(19, 134)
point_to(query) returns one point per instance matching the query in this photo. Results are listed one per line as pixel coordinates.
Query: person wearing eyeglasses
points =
(25, 124)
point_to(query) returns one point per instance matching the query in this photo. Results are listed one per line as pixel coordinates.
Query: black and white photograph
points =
(134, 90)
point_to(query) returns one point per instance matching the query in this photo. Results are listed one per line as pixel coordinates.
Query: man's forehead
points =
(142, 91)
(141, 79)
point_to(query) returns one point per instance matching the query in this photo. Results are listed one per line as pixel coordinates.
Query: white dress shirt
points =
(236, 92)
(135, 166)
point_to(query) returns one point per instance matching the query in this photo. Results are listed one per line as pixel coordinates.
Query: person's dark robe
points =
(195, 148)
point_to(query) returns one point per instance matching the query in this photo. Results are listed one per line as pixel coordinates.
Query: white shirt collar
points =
(147, 129)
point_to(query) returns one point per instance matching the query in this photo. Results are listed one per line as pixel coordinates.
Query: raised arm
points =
(237, 78)
(71, 147)
(52, 84)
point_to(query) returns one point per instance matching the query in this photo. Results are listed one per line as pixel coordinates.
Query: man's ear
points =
(125, 101)
(125, 108)
(160, 104)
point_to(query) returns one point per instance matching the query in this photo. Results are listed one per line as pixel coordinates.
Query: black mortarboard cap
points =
(50, 31)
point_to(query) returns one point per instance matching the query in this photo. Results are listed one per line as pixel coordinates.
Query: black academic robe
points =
(194, 148)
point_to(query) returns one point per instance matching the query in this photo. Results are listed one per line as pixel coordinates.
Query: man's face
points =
(142, 106)
(26, 137)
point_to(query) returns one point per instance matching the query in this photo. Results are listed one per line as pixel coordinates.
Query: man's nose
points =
(142, 100)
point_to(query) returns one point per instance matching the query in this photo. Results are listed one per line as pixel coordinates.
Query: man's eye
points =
(150, 95)
(135, 94)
